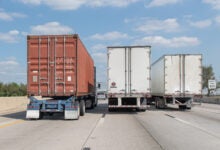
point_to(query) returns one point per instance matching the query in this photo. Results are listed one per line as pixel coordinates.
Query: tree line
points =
(12, 89)
(208, 74)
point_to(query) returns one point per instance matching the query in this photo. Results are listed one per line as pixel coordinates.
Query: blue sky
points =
(169, 26)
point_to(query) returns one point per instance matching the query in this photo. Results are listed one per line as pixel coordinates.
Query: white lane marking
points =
(10, 123)
(101, 121)
(209, 110)
(193, 125)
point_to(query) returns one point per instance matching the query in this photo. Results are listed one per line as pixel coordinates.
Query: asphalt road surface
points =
(169, 129)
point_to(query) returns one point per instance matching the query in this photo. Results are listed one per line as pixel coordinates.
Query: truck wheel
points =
(157, 102)
(92, 104)
(110, 109)
(142, 109)
(182, 107)
(50, 114)
(78, 111)
(96, 102)
(82, 108)
(41, 115)
(156, 106)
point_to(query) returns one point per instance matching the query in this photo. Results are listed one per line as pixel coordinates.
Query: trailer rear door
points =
(129, 70)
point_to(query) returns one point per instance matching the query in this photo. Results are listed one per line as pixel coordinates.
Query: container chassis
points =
(70, 107)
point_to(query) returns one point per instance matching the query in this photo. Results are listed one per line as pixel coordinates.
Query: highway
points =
(167, 129)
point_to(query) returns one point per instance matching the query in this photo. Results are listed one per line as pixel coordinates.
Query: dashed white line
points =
(193, 125)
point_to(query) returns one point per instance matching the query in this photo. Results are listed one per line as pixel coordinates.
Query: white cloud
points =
(75, 4)
(175, 42)
(98, 47)
(115, 35)
(157, 3)
(51, 28)
(7, 16)
(33, 2)
(215, 3)
(217, 19)
(8, 62)
(150, 26)
(201, 24)
(114, 3)
(12, 71)
(100, 58)
(8, 65)
(10, 37)
(18, 15)
(67, 5)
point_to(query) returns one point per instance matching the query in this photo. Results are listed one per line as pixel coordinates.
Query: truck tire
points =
(82, 108)
(111, 109)
(160, 103)
(78, 113)
(96, 102)
(156, 105)
(92, 104)
(157, 102)
(182, 107)
(41, 115)
(189, 108)
(142, 110)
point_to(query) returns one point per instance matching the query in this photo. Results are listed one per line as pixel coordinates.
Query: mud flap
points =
(32, 114)
(189, 104)
(71, 114)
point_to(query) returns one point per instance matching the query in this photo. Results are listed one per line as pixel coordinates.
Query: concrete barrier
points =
(211, 100)
(13, 104)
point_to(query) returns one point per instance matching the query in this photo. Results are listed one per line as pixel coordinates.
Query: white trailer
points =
(128, 77)
(176, 79)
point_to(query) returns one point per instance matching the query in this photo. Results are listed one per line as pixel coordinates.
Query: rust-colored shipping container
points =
(59, 65)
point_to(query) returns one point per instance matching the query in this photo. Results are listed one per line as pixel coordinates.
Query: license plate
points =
(51, 106)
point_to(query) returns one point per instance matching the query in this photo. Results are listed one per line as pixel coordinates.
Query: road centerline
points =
(4, 125)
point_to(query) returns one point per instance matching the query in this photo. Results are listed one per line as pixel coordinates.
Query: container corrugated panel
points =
(58, 65)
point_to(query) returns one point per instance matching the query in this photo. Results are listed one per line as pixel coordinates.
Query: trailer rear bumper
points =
(52, 110)
(32, 114)
(128, 106)
(128, 102)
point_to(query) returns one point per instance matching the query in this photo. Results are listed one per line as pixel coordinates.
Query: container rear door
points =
(51, 66)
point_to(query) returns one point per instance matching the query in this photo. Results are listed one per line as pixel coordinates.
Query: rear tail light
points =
(113, 85)
(30, 106)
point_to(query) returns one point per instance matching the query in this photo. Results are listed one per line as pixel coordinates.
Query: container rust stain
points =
(59, 65)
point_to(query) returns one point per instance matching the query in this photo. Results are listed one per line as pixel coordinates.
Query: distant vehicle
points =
(59, 67)
(128, 77)
(101, 95)
(176, 79)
